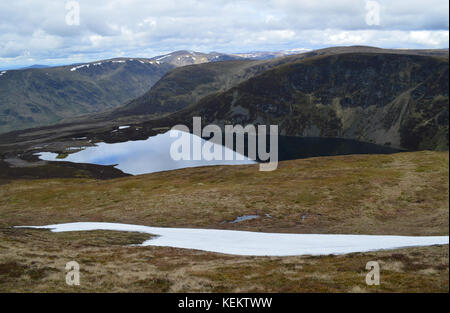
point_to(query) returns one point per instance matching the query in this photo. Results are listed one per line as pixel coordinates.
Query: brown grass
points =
(401, 194)
(34, 261)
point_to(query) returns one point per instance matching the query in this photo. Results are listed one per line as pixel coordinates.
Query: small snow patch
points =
(163, 57)
(78, 67)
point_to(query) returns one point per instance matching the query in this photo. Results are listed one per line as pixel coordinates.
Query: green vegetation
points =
(35, 97)
(378, 98)
(186, 85)
(393, 97)
(389, 97)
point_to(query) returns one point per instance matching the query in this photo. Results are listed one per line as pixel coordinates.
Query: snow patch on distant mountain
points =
(78, 67)
(163, 57)
(181, 58)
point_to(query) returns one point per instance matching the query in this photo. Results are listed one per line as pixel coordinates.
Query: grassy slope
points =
(186, 85)
(403, 194)
(36, 97)
(34, 261)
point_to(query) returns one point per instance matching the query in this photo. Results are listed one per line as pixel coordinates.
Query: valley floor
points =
(399, 194)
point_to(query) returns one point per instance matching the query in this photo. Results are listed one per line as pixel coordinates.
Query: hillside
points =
(390, 99)
(400, 194)
(397, 98)
(40, 95)
(34, 97)
(185, 86)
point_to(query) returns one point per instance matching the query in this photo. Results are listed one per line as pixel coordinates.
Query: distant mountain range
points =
(183, 58)
(397, 98)
(390, 97)
(35, 66)
(267, 55)
(41, 95)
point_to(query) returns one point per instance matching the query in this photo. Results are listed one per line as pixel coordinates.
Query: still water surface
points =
(153, 154)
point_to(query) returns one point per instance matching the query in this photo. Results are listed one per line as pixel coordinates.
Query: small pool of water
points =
(244, 218)
(144, 156)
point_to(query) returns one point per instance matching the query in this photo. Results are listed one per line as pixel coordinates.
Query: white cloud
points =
(429, 38)
(36, 29)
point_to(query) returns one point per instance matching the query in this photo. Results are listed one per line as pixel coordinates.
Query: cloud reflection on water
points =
(140, 157)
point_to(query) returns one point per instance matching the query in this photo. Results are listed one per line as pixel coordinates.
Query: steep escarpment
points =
(390, 99)
(185, 86)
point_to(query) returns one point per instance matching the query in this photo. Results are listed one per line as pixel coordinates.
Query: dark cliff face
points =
(391, 99)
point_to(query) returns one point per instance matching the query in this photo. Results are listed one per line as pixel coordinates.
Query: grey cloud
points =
(35, 31)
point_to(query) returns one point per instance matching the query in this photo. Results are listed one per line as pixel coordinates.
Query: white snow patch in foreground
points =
(255, 243)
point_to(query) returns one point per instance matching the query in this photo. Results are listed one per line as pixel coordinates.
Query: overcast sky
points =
(46, 31)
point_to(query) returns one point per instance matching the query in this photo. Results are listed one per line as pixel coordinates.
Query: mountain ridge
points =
(183, 87)
(412, 114)
(35, 97)
(40, 95)
(398, 100)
